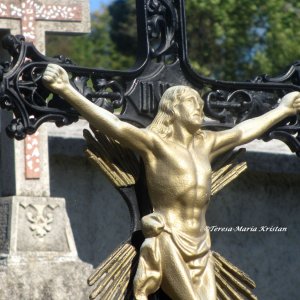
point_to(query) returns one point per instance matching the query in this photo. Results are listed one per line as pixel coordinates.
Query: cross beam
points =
(162, 61)
(33, 19)
(29, 11)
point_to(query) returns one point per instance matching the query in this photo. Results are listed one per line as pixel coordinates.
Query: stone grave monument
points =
(36, 240)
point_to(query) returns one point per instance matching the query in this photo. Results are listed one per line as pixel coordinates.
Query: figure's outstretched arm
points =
(56, 79)
(256, 127)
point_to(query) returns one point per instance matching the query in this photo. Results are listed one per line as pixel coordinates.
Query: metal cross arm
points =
(162, 61)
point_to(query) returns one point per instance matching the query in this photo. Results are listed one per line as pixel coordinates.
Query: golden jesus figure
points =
(177, 155)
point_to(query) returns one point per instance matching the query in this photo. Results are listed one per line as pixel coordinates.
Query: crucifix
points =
(162, 63)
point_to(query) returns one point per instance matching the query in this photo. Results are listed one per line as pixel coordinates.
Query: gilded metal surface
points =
(177, 155)
(118, 164)
(113, 275)
(234, 280)
(225, 175)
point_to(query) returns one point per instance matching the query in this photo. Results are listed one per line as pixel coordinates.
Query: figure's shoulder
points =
(155, 141)
(208, 136)
(208, 133)
(153, 136)
(203, 140)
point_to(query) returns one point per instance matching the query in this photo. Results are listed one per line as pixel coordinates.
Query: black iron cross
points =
(162, 61)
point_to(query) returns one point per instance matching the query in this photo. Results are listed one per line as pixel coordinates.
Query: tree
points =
(96, 49)
(123, 31)
(227, 39)
(238, 39)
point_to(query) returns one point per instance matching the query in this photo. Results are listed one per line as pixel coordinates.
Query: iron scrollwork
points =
(22, 90)
(236, 105)
(162, 24)
(161, 35)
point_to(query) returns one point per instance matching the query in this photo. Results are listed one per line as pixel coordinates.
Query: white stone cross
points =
(33, 18)
(30, 11)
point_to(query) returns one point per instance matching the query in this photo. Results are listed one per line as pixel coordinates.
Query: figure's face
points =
(190, 111)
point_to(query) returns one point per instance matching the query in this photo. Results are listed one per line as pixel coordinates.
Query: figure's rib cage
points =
(113, 278)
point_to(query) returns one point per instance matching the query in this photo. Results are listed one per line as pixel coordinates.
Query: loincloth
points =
(194, 251)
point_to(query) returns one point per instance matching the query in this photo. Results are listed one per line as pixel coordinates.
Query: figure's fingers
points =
(53, 71)
(294, 96)
(48, 76)
(50, 73)
(62, 72)
(52, 68)
(296, 102)
(57, 68)
(289, 98)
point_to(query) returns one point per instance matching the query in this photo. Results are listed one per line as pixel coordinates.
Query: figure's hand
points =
(55, 78)
(291, 101)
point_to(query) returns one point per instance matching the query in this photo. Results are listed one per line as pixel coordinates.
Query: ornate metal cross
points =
(162, 61)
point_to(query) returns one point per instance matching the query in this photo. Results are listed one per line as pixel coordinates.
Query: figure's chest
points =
(182, 165)
(202, 166)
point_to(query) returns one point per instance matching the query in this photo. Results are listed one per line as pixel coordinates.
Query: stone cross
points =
(33, 224)
(32, 13)
(32, 19)
(29, 12)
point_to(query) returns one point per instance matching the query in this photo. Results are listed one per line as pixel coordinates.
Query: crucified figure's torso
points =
(179, 186)
(177, 155)
(182, 198)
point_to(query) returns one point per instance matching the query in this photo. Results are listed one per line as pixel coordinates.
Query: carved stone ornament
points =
(39, 217)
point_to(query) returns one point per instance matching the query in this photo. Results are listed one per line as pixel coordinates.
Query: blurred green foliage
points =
(227, 39)
(98, 48)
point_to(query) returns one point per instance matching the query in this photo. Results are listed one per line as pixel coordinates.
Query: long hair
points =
(164, 119)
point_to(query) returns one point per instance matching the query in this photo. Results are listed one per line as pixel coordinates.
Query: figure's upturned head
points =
(180, 104)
